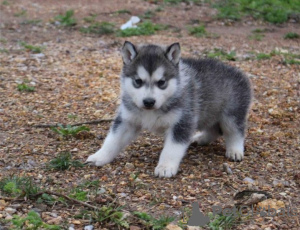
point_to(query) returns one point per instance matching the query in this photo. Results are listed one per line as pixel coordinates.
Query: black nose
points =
(149, 102)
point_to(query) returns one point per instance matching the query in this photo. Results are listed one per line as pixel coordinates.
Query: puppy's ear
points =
(173, 53)
(128, 52)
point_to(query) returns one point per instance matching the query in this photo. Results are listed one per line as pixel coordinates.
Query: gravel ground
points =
(76, 79)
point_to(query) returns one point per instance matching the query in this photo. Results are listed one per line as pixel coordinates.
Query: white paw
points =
(99, 158)
(234, 154)
(166, 169)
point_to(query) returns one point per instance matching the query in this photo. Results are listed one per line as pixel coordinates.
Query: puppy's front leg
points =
(120, 135)
(176, 143)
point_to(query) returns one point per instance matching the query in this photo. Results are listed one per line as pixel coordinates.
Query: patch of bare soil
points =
(76, 79)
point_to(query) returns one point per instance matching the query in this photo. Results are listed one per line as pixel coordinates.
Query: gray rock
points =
(89, 227)
(10, 210)
(249, 180)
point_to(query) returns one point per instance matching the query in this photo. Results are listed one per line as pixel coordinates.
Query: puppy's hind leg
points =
(120, 135)
(208, 135)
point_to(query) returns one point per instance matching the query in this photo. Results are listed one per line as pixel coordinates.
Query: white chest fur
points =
(152, 120)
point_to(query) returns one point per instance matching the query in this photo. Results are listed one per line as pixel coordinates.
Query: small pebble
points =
(269, 166)
(129, 165)
(10, 210)
(101, 191)
(249, 180)
(227, 169)
(8, 217)
(53, 214)
(89, 227)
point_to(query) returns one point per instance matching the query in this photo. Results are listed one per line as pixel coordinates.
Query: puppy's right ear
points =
(128, 52)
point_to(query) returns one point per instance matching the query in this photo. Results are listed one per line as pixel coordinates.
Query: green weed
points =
(98, 28)
(291, 35)
(198, 31)
(218, 222)
(258, 31)
(3, 40)
(291, 61)
(145, 28)
(69, 130)
(67, 19)
(263, 56)
(274, 11)
(21, 13)
(219, 53)
(19, 186)
(159, 9)
(72, 116)
(3, 51)
(256, 36)
(90, 184)
(153, 223)
(24, 87)
(47, 199)
(124, 11)
(148, 14)
(106, 214)
(63, 162)
(32, 221)
(79, 194)
(5, 3)
(34, 49)
(90, 19)
(287, 57)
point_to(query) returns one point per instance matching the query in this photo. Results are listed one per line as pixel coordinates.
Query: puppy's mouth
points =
(147, 108)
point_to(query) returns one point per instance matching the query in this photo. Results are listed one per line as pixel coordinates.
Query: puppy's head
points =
(150, 74)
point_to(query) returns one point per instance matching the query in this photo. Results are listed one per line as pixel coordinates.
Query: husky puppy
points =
(174, 96)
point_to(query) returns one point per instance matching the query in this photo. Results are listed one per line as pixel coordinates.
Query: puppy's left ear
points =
(173, 53)
(128, 52)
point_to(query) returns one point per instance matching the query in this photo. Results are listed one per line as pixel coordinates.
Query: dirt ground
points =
(77, 80)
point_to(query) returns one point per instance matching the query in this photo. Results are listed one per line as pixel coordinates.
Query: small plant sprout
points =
(90, 19)
(153, 223)
(69, 130)
(291, 35)
(106, 214)
(198, 31)
(19, 186)
(79, 194)
(275, 12)
(63, 162)
(21, 13)
(145, 28)
(32, 221)
(25, 88)
(263, 56)
(219, 53)
(99, 28)
(34, 49)
(124, 11)
(66, 19)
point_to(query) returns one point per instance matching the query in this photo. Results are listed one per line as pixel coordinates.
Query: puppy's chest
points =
(156, 122)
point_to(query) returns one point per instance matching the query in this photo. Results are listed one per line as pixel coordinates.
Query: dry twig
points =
(75, 124)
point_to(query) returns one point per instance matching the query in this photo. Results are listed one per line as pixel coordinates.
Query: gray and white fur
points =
(186, 100)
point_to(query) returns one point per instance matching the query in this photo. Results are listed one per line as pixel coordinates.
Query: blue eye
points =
(137, 83)
(162, 84)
